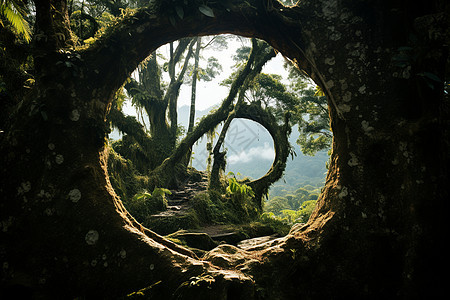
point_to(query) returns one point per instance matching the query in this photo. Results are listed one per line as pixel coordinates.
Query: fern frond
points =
(14, 14)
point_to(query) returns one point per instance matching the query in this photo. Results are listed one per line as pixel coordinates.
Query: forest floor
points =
(179, 205)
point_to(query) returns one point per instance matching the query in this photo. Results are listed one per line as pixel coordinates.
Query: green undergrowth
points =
(231, 205)
(144, 204)
(123, 176)
(207, 208)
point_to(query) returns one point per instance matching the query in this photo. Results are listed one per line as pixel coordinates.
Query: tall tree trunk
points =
(193, 95)
(174, 90)
(378, 230)
(194, 84)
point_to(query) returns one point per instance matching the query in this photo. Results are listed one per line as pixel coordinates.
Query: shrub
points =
(205, 209)
(145, 204)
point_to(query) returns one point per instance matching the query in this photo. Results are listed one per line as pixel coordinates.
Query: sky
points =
(264, 152)
(212, 93)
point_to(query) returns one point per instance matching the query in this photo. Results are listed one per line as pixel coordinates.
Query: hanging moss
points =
(123, 176)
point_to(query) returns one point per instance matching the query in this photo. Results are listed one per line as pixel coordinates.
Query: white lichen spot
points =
(402, 146)
(347, 96)
(406, 74)
(363, 215)
(75, 115)
(345, 16)
(343, 193)
(366, 127)
(330, 84)
(59, 159)
(5, 224)
(335, 36)
(329, 9)
(94, 262)
(152, 267)
(104, 257)
(105, 264)
(353, 161)
(41, 194)
(49, 212)
(345, 108)
(140, 29)
(91, 237)
(51, 146)
(123, 254)
(349, 63)
(330, 61)
(75, 195)
(26, 186)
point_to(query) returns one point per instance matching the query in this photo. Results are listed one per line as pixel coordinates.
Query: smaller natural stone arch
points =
(282, 147)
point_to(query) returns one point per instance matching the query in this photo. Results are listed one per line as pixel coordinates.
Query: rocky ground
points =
(178, 202)
(207, 237)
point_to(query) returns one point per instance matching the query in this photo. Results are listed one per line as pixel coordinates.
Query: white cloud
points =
(265, 153)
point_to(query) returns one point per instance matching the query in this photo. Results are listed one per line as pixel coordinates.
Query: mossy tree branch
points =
(143, 31)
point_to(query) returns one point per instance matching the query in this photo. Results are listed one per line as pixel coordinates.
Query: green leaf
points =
(180, 12)
(15, 15)
(172, 21)
(141, 196)
(431, 76)
(44, 115)
(207, 11)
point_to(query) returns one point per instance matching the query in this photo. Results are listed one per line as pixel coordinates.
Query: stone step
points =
(256, 242)
(172, 202)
